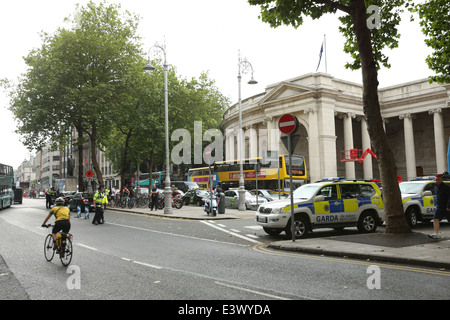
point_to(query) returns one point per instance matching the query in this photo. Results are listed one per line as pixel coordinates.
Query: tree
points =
(139, 127)
(76, 79)
(365, 47)
(435, 21)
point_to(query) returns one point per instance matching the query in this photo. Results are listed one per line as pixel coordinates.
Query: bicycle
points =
(63, 246)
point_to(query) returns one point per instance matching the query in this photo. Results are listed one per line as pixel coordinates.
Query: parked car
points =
(419, 199)
(82, 199)
(184, 186)
(232, 200)
(196, 196)
(67, 195)
(267, 194)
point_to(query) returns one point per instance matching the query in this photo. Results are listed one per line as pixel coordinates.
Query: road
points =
(142, 257)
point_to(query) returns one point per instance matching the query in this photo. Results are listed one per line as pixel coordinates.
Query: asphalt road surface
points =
(150, 258)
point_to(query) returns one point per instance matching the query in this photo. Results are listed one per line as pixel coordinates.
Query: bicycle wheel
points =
(131, 203)
(123, 203)
(49, 252)
(67, 253)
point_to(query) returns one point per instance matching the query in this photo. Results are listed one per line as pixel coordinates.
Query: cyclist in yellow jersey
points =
(62, 215)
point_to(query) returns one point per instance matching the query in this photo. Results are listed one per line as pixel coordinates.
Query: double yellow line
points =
(264, 249)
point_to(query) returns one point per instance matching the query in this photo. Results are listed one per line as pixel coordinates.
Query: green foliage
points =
(75, 78)
(90, 78)
(386, 36)
(435, 23)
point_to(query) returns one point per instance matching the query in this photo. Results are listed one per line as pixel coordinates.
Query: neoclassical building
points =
(416, 118)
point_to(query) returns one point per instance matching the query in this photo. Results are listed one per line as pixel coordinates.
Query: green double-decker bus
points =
(6, 186)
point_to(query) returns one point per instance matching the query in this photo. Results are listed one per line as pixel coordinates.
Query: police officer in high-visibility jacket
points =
(99, 201)
(105, 194)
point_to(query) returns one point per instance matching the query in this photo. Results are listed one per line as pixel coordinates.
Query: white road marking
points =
(85, 246)
(252, 291)
(142, 263)
(230, 232)
(176, 235)
(254, 227)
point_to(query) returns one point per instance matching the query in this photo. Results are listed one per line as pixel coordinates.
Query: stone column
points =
(253, 142)
(313, 145)
(410, 154)
(367, 163)
(327, 138)
(348, 144)
(441, 156)
(230, 134)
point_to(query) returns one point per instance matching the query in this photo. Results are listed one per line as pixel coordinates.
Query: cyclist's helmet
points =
(59, 201)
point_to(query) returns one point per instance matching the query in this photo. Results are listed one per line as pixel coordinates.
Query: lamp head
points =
(148, 67)
(252, 81)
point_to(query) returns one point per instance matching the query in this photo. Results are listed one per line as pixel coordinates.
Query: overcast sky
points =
(204, 35)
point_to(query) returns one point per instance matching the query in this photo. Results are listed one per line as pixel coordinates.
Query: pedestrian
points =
(125, 194)
(442, 192)
(99, 202)
(154, 198)
(113, 196)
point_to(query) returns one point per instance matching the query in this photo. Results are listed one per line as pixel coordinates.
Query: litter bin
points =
(221, 208)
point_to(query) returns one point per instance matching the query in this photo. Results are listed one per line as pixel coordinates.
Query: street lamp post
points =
(246, 66)
(167, 190)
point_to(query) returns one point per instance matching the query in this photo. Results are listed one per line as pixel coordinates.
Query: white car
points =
(232, 200)
(330, 204)
(419, 200)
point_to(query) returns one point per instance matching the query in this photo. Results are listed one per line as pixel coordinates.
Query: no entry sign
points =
(288, 123)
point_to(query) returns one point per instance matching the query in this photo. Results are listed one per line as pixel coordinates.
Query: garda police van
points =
(419, 199)
(333, 203)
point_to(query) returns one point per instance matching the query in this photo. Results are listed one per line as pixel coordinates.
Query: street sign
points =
(89, 174)
(288, 123)
(294, 140)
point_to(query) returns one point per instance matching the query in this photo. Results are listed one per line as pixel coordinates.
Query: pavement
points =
(415, 248)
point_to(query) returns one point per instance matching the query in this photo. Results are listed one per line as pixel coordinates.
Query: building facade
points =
(416, 119)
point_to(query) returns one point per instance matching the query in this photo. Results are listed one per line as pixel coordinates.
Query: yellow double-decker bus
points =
(271, 175)
(205, 177)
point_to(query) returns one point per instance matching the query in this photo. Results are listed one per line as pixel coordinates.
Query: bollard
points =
(86, 212)
(221, 208)
(78, 211)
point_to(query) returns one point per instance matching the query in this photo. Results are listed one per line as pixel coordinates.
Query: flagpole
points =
(325, 49)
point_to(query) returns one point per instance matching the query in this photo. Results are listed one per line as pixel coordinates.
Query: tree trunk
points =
(124, 159)
(80, 160)
(150, 167)
(393, 208)
(97, 169)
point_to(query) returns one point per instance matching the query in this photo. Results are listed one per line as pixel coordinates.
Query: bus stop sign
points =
(288, 123)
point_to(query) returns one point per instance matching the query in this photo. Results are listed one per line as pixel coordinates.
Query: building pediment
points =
(284, 91)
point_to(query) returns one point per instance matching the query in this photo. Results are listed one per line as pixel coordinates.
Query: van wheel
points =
(412, 216)
(301, 226)
(367, 222)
